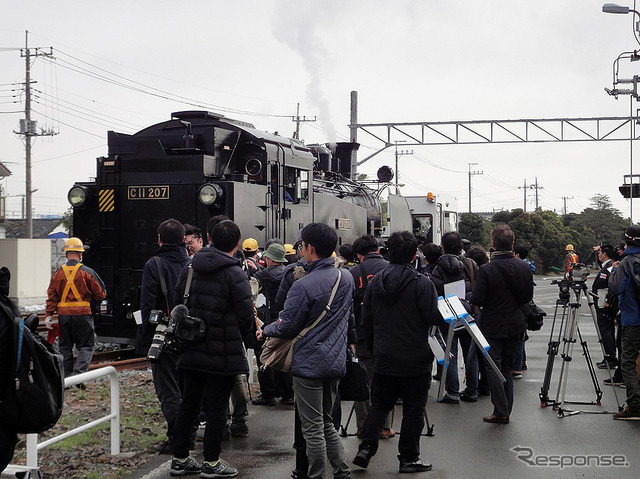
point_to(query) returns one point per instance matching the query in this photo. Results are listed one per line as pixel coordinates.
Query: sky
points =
(123, 66)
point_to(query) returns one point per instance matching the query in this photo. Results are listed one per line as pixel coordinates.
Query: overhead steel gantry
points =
(476, 132)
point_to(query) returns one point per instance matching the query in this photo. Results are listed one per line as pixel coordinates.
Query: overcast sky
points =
(117, 63)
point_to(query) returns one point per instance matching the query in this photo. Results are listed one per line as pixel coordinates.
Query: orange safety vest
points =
(70, 273)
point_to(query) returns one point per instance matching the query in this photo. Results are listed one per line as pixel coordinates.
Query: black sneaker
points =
(603, 364)
(446, 399)
(261, 401)
(287, 401)
(416, 465)
(362, 458)
(219, 469)
(180, 467)
(239, 429)
(464, 397)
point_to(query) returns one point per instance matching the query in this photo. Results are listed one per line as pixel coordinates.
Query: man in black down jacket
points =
(173, 257)
(502, 285)
(400, 306)
(220, 295)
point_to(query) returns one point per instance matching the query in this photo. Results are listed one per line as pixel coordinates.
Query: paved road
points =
(465, 446)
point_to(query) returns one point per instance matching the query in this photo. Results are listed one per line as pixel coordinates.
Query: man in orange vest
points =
(569, 260)
(70, 293)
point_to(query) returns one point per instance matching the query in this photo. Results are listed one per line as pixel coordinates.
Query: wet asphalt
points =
(537, 443)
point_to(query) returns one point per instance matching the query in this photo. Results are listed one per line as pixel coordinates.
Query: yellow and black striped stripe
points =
(106, 201)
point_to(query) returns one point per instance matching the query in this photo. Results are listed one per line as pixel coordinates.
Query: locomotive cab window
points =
(296, 185)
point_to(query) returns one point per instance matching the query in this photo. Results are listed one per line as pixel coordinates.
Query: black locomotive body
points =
(198, 165)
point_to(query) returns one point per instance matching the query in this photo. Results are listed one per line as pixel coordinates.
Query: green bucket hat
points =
(275, 252)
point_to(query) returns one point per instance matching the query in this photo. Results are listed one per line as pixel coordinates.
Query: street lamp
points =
(619, 9)
(613, 8)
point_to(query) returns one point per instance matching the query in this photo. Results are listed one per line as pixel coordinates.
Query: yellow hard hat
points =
(74, 244)
(289, 249)
(569, 247)
(250, 244)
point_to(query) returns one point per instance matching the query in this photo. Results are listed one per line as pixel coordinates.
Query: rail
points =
(32, 439)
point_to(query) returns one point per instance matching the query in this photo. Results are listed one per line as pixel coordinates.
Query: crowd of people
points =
(378, 300)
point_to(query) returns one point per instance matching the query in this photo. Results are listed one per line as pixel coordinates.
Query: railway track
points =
(121, 359)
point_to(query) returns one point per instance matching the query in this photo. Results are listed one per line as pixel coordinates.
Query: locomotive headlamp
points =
(77, 196)
(209, 194)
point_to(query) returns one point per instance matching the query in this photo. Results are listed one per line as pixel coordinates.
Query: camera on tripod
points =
(579, 272)
(164, 339)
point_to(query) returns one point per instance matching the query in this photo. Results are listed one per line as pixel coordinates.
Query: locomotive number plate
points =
(343, 224)
(148, 193)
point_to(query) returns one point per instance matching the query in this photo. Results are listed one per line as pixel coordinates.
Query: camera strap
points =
(187, 285)
(163, 283)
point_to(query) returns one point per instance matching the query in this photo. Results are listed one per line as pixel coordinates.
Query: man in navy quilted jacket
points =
(319, 357)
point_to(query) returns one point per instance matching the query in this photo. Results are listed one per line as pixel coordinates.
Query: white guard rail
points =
(32, 439)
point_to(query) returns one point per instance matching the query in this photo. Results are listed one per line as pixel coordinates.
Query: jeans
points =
(470, 365)
(385, 392)
(518, 356)
(76, 330)
(314, 401)
(218, 390)
(630, 346)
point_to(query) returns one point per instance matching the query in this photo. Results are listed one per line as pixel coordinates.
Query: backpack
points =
(33, 401)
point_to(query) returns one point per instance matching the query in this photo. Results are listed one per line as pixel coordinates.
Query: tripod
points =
(568, 334)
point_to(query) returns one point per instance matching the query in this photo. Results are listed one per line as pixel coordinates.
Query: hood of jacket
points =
(172, 252)
(392, 280)
(451, 264)
(211, 259)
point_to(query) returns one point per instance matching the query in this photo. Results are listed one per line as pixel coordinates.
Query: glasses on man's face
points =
(301, 246)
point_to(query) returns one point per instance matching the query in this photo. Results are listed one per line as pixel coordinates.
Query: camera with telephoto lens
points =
(164, 339)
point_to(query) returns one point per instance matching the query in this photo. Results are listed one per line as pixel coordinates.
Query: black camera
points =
(164, 339)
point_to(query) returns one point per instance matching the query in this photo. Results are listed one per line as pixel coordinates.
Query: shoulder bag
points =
(533, 314)
(354, 385)
(278, 352)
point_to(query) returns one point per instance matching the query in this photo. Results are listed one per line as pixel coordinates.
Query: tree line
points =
(547, 234)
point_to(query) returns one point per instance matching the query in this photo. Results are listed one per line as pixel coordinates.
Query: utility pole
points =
(565, 198)
(471, 173)
(28, 129)
(298, 120)
(398, 154)
(524, 188)
(536, 187)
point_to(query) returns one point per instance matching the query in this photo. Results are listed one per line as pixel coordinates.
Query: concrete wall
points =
(29, 280)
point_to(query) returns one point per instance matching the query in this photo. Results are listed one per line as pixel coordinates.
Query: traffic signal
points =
(628, 189)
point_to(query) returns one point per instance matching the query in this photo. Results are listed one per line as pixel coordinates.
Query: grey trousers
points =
(314, 400)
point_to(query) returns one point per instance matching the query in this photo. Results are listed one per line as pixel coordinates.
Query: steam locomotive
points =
(200, 164)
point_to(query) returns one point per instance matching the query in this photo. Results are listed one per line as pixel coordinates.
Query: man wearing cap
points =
(272, 383)
(569, 260)
(624, 283)
(70, 293)
(250, 248)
